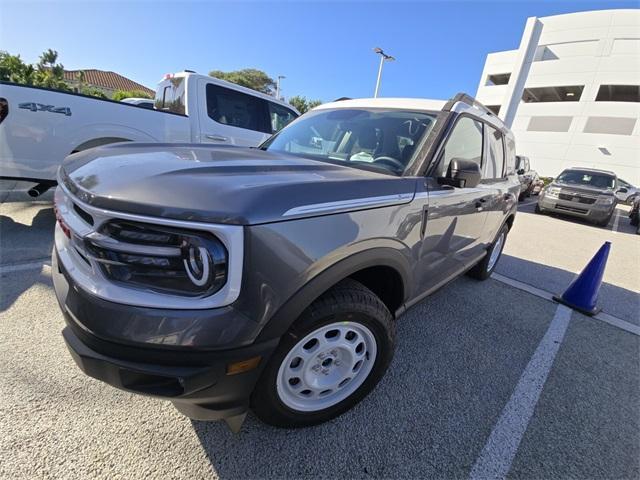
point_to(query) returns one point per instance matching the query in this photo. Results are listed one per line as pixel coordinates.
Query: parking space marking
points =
(602, 316)
(19, 267)
(523, 286)
(497, 455)
(618, 322)
(614, 228)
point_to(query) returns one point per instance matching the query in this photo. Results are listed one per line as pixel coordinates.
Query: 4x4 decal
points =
(41, 107)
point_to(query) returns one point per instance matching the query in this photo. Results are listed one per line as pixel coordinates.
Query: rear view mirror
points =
(462, 173)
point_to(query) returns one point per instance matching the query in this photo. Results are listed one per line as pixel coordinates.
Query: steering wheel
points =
(397, 164)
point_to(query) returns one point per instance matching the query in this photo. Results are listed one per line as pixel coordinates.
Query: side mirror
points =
(622, 190)
(462, 174)
(520, 172)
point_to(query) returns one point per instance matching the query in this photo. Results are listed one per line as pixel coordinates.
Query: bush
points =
(93, 91)
(122, 94)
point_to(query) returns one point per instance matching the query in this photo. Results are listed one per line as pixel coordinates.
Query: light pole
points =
(280, 77)
(383, 57)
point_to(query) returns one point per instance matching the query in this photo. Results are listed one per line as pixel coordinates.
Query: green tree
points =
(13, 69)
(49, 73)
(121, 94)
(46, 73)
(302, 104)
(248, 77)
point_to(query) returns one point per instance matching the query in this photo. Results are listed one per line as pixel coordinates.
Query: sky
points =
(324, 49)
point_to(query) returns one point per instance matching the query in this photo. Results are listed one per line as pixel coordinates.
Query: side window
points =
(234, 108)
(510, 154)
(171, 98)
(279, 117)
(464, 142)
(494, 166)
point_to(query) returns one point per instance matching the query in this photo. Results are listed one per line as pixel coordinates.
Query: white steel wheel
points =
(326, 366)
(495, 252)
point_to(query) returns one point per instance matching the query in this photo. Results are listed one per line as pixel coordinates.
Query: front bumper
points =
(194, 378)
(590, 212)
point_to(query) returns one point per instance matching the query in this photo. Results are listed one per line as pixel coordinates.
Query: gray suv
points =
(225, 278)
(581, 192)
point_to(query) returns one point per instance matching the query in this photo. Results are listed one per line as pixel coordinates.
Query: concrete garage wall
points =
(587, 50)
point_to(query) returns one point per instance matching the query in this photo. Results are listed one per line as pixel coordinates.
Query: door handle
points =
(217, 138)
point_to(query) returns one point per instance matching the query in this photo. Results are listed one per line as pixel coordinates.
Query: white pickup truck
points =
(39, 127)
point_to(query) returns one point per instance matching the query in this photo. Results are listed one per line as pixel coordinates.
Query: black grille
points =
(576, 198)
(572, 209)
(84, 215)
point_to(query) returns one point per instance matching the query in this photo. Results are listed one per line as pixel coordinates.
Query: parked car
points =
(538, 185)
(626, 193)
(526, 176)
(40, 127)
(222, 278)
(581, 192)
(634, 214)
(140, 102)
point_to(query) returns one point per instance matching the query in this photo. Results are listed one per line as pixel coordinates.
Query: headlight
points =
(162, 259)
(552, 192)
(605, 200)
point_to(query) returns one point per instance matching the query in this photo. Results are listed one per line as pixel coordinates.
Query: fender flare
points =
(293, 307)
(103, 134)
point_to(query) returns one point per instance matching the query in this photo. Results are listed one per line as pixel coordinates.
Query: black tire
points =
(521, 196)
(482, 271)
(634, 220)
(347, 299)
(538, 210)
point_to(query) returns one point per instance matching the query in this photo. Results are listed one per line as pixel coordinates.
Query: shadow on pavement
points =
(21, 243)
(614, 300)
(459, 355)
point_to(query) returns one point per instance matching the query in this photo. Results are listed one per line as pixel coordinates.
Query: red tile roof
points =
(110, 80)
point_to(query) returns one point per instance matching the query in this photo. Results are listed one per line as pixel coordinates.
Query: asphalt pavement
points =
(462, 355)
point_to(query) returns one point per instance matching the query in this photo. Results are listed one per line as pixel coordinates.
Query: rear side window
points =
(464, 142)
(170, 97)
(236, 109)
(494, 166)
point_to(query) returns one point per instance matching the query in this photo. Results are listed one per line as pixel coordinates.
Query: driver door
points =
(455, 216)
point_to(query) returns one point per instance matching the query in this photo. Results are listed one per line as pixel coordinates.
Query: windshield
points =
(591, 179)
(367, 138)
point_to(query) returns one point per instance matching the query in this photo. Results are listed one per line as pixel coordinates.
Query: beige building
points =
(571, 92)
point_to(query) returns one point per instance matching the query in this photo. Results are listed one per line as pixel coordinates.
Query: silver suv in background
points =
(581, 192)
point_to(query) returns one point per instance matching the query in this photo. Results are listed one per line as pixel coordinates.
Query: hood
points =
(571, 188)
(232, 185)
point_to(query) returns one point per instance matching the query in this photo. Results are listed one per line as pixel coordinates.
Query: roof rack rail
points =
(469, 100)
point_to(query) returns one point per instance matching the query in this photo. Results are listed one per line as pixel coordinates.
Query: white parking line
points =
(602, 316)
(19, 267)
(614, 228)
(498, 453)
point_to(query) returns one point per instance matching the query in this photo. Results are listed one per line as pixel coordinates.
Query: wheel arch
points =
(509, 221)
(385, 271)
(97, 142)
(95, 135)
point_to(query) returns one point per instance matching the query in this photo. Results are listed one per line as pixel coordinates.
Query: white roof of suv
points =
(391, 103)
